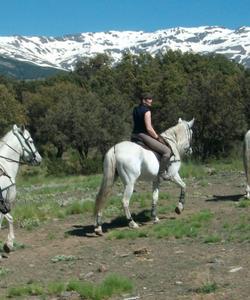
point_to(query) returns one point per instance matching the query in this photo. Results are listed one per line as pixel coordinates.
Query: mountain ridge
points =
(63, 52)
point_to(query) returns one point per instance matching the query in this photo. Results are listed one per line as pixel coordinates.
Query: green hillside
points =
(23, 70)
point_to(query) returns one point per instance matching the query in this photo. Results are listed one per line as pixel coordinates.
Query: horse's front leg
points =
(1, 219)
(177, 179)
(155, 201)
(8, 245)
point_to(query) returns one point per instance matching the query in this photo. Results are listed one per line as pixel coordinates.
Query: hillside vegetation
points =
(75, 117)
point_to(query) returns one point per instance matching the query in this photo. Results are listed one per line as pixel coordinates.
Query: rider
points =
(144, 131)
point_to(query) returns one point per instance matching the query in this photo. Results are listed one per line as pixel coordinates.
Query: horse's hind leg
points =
(155, 201)
(128, 191)
(8, 245)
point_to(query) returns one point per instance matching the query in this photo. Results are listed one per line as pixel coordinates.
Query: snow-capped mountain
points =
(63, 52)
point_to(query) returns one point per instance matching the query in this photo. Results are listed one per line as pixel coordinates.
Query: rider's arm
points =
(148, 124)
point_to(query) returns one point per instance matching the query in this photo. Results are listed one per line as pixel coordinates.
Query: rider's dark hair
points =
(146, 96)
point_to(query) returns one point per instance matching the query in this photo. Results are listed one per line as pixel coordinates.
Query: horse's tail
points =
(246, 155)
(109, 172)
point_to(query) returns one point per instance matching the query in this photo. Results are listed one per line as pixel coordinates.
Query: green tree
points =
(219, 111)
(11, 111)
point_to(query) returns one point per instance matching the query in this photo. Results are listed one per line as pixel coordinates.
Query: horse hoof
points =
(133, 225)
(6, 248)
(156, 220)
(98, 231)
(179, 208)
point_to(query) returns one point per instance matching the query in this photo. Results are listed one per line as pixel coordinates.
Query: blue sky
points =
(60, 17)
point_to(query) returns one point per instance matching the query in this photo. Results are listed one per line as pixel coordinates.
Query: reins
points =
(13, 160)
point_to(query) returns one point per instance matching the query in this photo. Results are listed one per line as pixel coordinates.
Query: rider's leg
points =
(163, 166)
(160, 148)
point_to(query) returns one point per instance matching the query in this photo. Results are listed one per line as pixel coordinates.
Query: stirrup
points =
(164, 176)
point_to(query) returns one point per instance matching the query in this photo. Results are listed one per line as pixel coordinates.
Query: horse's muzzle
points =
(36, 160)
(188, 151)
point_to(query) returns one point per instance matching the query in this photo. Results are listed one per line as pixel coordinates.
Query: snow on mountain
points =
(63, 52)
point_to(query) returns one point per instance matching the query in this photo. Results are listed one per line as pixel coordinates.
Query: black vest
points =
(138, 116)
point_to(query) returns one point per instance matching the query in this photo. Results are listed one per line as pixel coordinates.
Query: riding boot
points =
(164, 162)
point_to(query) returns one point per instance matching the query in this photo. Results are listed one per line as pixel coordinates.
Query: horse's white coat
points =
(17, 144)
(132, 163)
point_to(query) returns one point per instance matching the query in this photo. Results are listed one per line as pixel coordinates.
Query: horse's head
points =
(184, 136)
(179, 138)
(29, 153)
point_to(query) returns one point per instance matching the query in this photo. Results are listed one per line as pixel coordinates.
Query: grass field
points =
(215, 221)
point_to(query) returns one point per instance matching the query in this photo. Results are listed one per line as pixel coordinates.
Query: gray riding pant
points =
(153, 144)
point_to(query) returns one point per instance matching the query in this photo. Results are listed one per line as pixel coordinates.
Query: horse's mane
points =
(174, 131)
(173, 137)
(4, 138)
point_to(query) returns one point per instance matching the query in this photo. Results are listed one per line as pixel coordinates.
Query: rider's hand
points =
(161, 139)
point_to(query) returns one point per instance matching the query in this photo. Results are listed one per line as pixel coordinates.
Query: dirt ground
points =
(163, 269)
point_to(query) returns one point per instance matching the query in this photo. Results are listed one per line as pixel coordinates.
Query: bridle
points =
(25, 145)
(30, 151)
(23, 141)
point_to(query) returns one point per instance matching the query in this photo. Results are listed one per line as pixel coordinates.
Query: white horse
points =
(246, 161)
(15, 147)
(132, 162)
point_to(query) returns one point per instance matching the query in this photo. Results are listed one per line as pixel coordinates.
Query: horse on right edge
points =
(246, 161)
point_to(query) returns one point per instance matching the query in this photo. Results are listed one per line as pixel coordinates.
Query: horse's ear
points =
(180, 120)
(22, 128)
(191, 123)
(15, 127)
